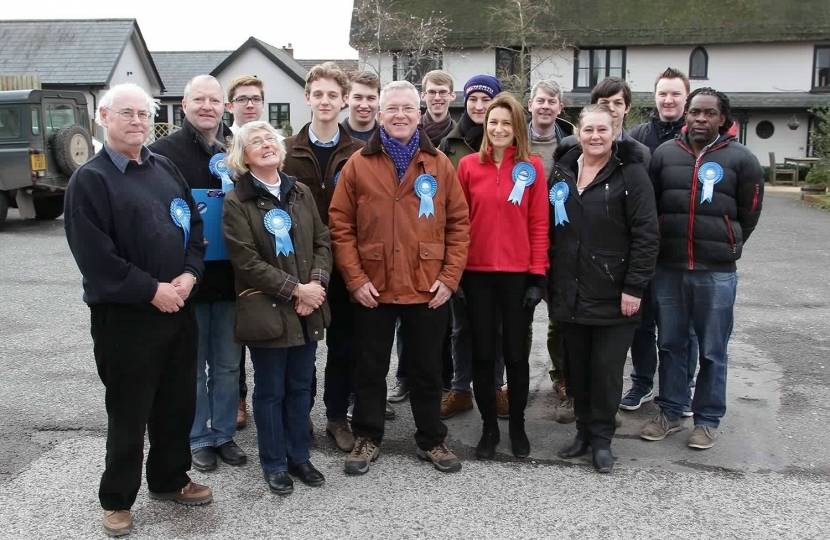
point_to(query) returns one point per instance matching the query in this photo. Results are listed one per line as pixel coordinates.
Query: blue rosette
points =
(426, 187)
(278, 223)
(558, 195)
(336, 178)
(709, 174)
(180, 213)
(219, 168)
(524, 174)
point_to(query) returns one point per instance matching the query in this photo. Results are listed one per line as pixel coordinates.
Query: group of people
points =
(400, 226)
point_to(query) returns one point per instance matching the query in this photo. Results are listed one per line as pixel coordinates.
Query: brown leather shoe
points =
(117, 522)
(242, 415)
(192, 494)
(342, 433)
(502, 403)
(454, 403)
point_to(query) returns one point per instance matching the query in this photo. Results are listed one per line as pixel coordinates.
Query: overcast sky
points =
(317, 29)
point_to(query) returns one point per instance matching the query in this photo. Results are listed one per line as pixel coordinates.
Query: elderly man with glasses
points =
(400, 233)
(140, 251)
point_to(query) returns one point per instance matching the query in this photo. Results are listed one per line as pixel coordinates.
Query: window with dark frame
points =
(278, 113)
(161, 115)
(593, 65)
(178, 115)
(227, 119)
(407, 65)
(509, 66)
(699, 64)
(821, 68)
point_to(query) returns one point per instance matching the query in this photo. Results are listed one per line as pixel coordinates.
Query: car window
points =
(58, 115)
(35, 121)
(9, 122)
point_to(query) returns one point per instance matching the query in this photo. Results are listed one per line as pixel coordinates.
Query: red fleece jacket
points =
(505, 237)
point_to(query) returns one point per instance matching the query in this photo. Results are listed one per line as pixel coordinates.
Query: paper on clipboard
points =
(209, 203)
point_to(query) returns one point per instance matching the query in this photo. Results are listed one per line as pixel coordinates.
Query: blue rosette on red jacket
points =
(524, 174)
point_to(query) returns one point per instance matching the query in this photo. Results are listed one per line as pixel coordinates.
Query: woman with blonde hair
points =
(507, 263)
(281, 256)
(604, 243)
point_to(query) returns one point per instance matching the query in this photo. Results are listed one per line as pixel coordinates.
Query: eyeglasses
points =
(243, 100)
(256, 143)
(408, 109)
(129, 114)
(441, 93)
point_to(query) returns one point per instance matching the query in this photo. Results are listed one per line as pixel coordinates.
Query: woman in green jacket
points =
(281, 256)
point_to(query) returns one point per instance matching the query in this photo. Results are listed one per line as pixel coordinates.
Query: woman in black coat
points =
(604, 241)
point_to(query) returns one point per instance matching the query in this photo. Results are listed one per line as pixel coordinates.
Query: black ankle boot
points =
(576, 448)
(603, 460)
(519, 440)
(486, 448)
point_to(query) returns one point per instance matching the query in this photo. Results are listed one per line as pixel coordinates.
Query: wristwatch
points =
(195, 279)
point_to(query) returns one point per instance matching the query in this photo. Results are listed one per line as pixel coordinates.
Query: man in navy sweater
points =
(137, 238)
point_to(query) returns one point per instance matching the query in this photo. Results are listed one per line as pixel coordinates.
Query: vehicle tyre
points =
(73, 147)
(49, 207)
(4, 208)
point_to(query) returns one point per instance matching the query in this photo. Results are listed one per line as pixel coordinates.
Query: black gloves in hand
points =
(533, 295)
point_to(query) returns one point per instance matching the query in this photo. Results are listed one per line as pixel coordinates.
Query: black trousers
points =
(495, 299)
(243, 381)
(339, 381)
(423, 332)
(594, 361)
(147, 362)
(446, 357)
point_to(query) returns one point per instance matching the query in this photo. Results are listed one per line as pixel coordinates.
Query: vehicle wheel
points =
(4, 208)
(73, 147)
(49, 207)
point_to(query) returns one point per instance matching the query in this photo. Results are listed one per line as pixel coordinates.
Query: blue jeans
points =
(462, 351)
(217, 376)
(282, 397)
(644, 348)
(706, 301)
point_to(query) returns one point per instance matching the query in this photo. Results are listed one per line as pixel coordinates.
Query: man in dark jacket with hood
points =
(670, 92)
(709, 191)
(202, 136)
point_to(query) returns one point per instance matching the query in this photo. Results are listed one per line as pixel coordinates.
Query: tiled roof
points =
(65, 51)
(349, 65)
(178, 67)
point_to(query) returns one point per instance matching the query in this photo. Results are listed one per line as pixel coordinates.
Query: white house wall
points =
(784, 141)
(279, 87)
(778, 67)
(463, 64)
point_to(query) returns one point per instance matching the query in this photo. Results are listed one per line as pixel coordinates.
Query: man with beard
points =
(709, 191)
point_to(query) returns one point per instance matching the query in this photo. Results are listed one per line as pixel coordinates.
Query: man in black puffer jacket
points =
(709, 190)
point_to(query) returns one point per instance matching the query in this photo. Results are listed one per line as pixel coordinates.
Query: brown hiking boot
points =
(365, 452)
(192, 494)
(559, 388)
(454, 403)
(117, 522)
(242, 415)
(442, 458)
(565, 411)
(342, 433)
(502, 403)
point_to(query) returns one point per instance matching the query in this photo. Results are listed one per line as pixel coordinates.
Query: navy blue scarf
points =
(401, 154)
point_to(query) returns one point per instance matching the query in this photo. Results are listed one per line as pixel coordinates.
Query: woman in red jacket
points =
(507, 193)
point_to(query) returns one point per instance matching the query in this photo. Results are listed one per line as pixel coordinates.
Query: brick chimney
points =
(289, 49)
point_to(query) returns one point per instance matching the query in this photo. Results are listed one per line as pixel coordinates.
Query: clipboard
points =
(209, 203)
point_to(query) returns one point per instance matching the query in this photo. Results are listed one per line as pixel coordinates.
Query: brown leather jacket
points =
(301, 163)
(378, 236)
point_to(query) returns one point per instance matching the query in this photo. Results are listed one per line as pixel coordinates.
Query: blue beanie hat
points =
(482, 83)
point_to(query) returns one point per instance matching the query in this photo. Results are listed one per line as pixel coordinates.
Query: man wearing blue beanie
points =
(465, 139)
